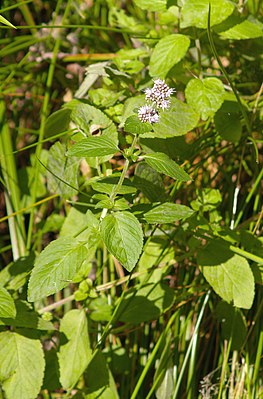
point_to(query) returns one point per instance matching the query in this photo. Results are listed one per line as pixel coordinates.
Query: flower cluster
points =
(158, 95)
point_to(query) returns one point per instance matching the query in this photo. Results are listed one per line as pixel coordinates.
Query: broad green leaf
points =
(168, 52)
(56, 265)
(177, 121)
(207, 199)
(135, 126)
(62, 172)
(245, 30)
(57, 122)
(163, 164)
(228, 125)
(149, 5)
(6, 22)
(7, 305)
(229, 274)
(26, 317)
(195, 12)
(21, 366)
(100, 383)
(15, 275)
(149, 182)
(205, 96)
(107, 184)
(123, 237)
(167, 213)
(89, 118)
(75, 355)
(233, 324)
(93, 147)
(145, 304)
(77, 221)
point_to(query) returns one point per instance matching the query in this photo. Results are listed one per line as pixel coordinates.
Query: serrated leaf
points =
(6, 22)
(7, 304)
(21, 366)
(93, 147)
(109, 183)
(167, 213)
(177, 121)
(228, 125)
(62, 172)
(123, 237)
(129, 107)
(56, 265)
(168, 52)
(149, 5)
(205, 96)
(135, 126)
(195, 12)
(163, 164)
(229, 274)
(245, 30)
(75, 354)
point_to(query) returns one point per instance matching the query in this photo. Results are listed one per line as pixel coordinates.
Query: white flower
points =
(159, 94)
(148, 114)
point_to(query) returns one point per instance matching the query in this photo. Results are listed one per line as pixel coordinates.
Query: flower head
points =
(146, 113)
(158, 97)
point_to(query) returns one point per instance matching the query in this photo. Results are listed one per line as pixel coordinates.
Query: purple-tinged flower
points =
(146, 113)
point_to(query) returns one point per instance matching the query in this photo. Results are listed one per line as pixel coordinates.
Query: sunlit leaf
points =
(75, 354)
(21, 366)
(229, 274)
(7, 305)
(123, 236)
(205, 96)
(163, 164)
(168, 52)
(167, 213)
(55, 267)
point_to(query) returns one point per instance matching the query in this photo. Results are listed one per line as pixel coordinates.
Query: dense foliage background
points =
(131, 252)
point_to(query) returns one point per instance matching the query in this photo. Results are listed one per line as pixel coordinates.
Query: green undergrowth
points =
(131, 199)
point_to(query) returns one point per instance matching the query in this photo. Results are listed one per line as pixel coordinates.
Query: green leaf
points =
(245, 30)
(123, 237)
(75, 355)
(233, 324)
(205, 96)
(228, 125)
(93, 147)
(21, 366)
(163, 164)
(149, 182)
(7, 305)
(56, 265)
(168, 52)
(145, 304)
(229, 274)
(62, 172)
(107, 184)
(135, 126)
(89, 118)
(149, 5)
(195, 12)
(57, 122)
(100, 383)
(26, 317)
(129, 107)
(167, 213)
(6, 22)
(177, 121)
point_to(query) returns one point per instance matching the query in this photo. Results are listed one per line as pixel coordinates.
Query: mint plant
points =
(131, 256)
